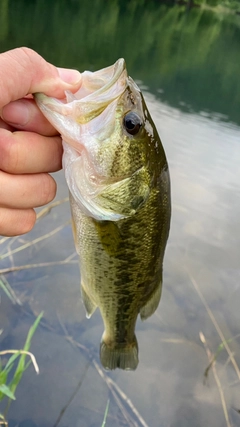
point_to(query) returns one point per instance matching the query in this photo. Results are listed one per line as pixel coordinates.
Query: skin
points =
(30, 148)
(121, 229)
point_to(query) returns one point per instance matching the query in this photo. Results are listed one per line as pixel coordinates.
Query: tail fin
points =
(119, 356)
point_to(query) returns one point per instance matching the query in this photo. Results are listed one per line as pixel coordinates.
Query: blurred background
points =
(185, 57)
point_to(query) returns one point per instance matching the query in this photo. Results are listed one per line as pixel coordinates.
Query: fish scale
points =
(119, 184)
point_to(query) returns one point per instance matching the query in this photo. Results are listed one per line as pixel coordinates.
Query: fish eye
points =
(132, 123)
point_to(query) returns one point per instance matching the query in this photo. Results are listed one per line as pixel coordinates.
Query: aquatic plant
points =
(8, 387)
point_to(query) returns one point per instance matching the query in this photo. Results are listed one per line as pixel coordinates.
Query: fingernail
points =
(70, 76)
(16, 113)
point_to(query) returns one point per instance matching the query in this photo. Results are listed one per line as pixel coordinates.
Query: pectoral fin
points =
(101, 200)
(125, 197)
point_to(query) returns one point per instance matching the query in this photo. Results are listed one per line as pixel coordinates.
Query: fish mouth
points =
(107, 83)
(85, 121)
(99, 89)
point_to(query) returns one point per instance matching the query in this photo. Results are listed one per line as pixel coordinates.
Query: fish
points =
(119, 189)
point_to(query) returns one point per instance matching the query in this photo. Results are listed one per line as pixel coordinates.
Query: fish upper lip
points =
(82, 105)
(114, 71)
(99, 90)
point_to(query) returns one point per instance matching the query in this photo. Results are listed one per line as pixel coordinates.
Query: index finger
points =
(23, 71)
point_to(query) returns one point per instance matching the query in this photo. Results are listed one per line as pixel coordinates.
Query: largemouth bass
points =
(118, 178)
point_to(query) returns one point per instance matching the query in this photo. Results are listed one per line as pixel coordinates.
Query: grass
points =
(213, 357)
(105, 414)
(8, 387)
(4, 285)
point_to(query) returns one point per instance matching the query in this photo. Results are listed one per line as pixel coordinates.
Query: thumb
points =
(23, 72)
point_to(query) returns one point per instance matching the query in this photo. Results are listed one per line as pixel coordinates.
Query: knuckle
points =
(58, 153)
(9, 155)
(23, 56)
(3, 223)
(48, 188)
(28, 52)
(28, 221)
(15, 222)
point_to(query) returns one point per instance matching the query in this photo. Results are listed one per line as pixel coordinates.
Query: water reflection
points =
(192, 91)
(193, 55)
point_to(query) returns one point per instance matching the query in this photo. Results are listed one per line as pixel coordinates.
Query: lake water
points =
(187, 64)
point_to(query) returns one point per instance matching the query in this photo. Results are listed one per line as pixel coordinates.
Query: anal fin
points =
(89, 305)
(151, 305)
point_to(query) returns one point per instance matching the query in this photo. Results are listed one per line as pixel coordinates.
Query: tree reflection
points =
(191, 55)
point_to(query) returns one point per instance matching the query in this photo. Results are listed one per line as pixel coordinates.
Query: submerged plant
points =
(8, 387)
(105, 414)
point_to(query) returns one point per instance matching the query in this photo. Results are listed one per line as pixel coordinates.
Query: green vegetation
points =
(8, 387)
(187, 57)
(230, 4)
(105, 414)
(215, 5)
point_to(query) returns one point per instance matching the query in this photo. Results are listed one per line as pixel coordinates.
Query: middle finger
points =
(26, 191)
(29, 152)
(25, 115)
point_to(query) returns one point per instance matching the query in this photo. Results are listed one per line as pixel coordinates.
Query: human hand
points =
(30, 147)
